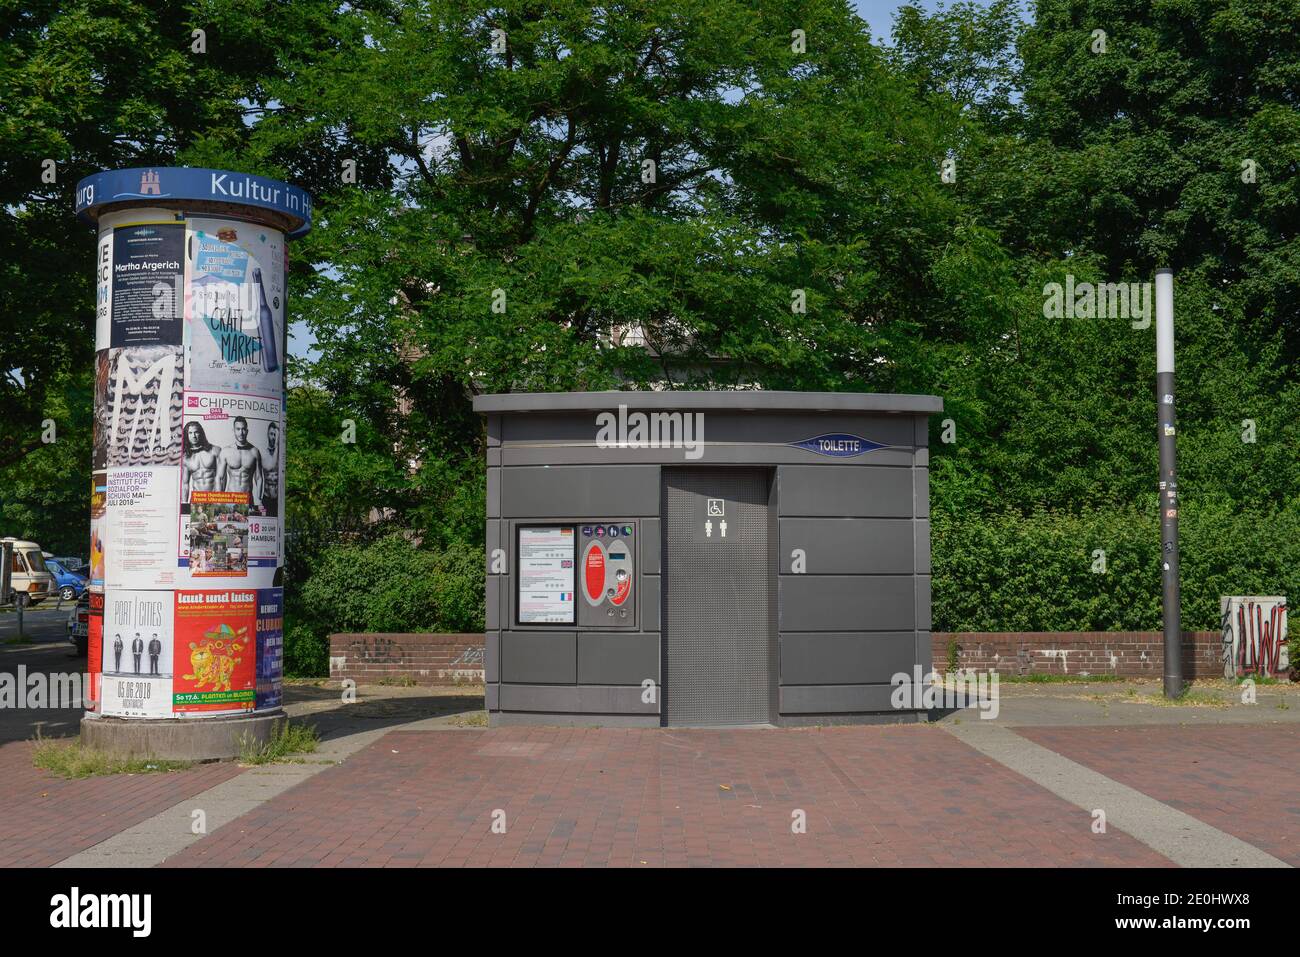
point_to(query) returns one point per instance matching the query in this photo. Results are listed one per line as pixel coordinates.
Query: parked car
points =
(79, 624)
(71, 562)
(71, 584)
(30, 582)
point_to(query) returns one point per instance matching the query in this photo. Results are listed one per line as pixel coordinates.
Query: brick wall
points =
(1125, 653)
(426, 659)
(458, 659)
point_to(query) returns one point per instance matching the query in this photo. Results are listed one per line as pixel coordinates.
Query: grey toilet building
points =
(705, 558)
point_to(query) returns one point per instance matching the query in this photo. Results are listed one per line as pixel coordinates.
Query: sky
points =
(879, 16)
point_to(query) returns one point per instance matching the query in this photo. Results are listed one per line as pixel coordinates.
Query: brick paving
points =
(1244, 780)
(44, 818)
(873, 796)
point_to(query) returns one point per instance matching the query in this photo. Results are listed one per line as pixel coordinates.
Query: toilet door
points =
(718, 635)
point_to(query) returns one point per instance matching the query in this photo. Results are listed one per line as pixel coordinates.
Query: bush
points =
(1013, 572)
(390, 585)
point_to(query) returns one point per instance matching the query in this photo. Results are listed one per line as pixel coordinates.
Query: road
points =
(44, 649)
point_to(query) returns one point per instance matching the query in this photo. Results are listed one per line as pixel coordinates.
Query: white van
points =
(29, 582)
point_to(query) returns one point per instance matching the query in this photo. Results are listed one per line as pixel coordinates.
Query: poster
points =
(134, 697)
(147, 277)
(216, 535)
(215, 651)
(94, 649)
(231, 489)
(546, 574)
(270, 648)
(234, 307)
(137, 654)
(140, 522)
(98, 527)
(103, 289)
(138, 406)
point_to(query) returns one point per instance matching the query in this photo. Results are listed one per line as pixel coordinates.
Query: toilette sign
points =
(838, 445)
(546, 575)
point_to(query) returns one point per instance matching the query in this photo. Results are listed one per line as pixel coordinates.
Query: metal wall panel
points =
(847, 603)
(921, 528)
(837, 699)
(540, 657)
(849, 546)
(773, 430)
(831, 658)
(711, 453)
(923, 622)
(492, 603)
(539, 492)
(845, 491)
(717, 590)
(575, 699)
(611, 658)
(492, 657)
(651, 535)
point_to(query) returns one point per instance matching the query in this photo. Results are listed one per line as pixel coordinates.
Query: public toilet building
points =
(705, 558)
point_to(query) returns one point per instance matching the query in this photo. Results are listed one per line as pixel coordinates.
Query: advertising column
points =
(187, 546)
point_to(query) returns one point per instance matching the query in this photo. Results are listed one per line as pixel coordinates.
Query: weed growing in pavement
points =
(69, 759)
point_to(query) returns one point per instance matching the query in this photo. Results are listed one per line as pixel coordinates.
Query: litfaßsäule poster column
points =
(187, 535)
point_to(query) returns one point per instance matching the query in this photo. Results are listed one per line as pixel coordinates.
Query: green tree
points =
(86, 86)
(593, 197)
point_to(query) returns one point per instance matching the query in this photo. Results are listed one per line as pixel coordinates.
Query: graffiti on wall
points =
(1254, 636)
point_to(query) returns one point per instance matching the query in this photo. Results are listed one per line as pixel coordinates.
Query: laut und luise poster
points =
(270, 647)
(140, 505)
(216, 648)
(234, 307)
(231, 488)
(136, 658)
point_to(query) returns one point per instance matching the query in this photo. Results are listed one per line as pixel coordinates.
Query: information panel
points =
(546, 561)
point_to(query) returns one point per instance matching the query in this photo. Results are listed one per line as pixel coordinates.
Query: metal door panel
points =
(717, 580)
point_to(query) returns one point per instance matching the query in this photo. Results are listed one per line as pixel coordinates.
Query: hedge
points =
(1013, 572)
(390, 585)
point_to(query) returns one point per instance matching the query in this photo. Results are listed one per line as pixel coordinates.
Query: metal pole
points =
(1168, 483)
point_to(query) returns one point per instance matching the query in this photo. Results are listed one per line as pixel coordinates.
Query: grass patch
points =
(289, 737)
(474, 719)
(19, 640)
(1189, 699)
(68, 759)
(1059, 679)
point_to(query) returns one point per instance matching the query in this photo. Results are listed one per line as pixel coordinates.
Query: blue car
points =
(71, 585)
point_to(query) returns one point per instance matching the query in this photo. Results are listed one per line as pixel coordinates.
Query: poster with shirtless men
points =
(232, 467)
